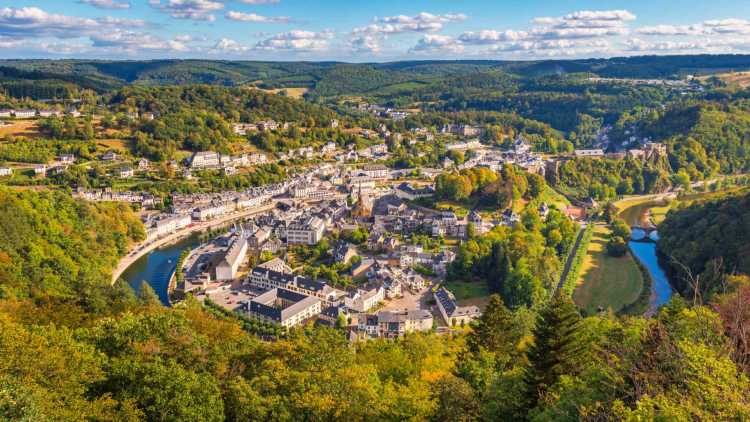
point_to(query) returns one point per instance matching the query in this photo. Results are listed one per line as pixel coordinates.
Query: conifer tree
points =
(557, 348)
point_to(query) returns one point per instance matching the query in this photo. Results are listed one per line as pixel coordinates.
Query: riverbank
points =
(141, 249)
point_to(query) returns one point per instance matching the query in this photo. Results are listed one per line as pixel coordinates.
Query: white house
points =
(228, 266)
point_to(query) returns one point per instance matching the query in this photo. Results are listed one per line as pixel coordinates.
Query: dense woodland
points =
(703, 242)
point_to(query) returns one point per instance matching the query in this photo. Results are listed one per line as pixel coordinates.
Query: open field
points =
(465, 290)
(26, 128)
(116, 144)
(606, 281)
(291, 92)
(740, 79)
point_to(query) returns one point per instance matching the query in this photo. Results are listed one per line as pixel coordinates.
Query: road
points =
(145, 247)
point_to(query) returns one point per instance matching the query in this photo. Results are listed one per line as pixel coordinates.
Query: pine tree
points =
(495, 331)
(557, 348)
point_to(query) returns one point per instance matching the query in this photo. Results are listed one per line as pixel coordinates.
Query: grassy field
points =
(27, 128)
(464, 291)
(116, 144)
(606, 281)
(291, 92)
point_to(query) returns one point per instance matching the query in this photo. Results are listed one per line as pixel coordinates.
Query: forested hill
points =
(331, 78)
(707, 240)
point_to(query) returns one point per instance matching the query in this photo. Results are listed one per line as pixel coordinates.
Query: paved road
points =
(136, 253)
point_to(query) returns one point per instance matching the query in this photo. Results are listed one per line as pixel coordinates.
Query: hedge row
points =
(571, 278)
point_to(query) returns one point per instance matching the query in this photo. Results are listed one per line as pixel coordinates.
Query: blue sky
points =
(357, 31)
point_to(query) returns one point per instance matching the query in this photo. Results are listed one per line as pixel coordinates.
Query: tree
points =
(456, 400)
(616, 246)
(557, 349)
(495, 331)
(147, 296)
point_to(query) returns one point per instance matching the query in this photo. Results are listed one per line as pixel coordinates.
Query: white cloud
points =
(636, 44)
(422, 22)
(583, 24)
(728, 26)
(365, 44)
(130, 41)
(227, 45)
(121, 22)
(433, 43)
(296, 40)
(671, 30)
(200, 10)
(107, 4)
(30, 22)
(256, 2)
(492, 37)
(252, 17)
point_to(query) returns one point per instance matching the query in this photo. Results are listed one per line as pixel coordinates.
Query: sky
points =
(369, 31)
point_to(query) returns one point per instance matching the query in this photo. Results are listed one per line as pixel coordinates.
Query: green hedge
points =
(249, 324)
(569, 284)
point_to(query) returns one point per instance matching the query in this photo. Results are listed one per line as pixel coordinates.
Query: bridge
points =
(644, 233)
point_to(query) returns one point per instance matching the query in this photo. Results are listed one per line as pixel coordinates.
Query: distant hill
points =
(335, 78)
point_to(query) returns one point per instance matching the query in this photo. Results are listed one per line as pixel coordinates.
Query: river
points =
(644, 250)
(157, 267)
(645, 253)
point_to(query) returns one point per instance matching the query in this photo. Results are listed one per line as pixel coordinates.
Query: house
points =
(49, 113)
(210, 211)
(543, 210)
(394, 324)
(24, 114)
(343, 252)
(6, 171)
(451, 312)
(375, 171)
(334, 123)
(264, 278)
(205, 159)
(109, 156)
(6, 112)
(406, 191)
(230, 263)
(143, 164)
(375, 241)
(267, 125)
(74, 113)
(364, 298)
(244, 128)
(277, 265)
(589, 153)
(171, 224)
(362, 268)
(306, 230)
(125, 172)
(67, 159)
(40, 169)
(284, 307)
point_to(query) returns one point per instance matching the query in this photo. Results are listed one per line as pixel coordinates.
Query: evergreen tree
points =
(495, 331)
(557, 348)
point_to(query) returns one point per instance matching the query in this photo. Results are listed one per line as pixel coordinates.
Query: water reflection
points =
(156, 267)
(645, 252)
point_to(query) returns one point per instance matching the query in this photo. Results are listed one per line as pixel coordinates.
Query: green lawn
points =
(606, 281)
(464, 290)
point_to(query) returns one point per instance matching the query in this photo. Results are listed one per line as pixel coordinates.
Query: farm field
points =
(26, 128)
(606, 281)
